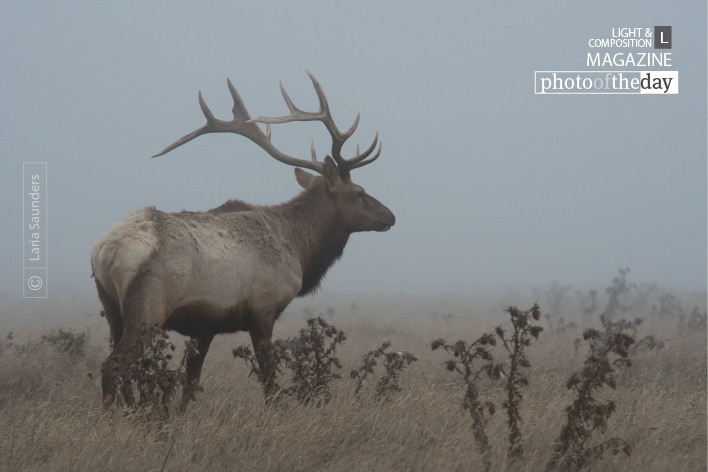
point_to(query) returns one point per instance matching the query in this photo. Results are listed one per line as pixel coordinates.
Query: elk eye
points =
(361, 195)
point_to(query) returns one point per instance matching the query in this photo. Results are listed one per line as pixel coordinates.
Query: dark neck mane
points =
(315, 234)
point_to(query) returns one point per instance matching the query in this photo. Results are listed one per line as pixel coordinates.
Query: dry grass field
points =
(51, 417)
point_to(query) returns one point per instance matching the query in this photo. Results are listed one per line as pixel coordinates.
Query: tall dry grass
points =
(51, 417)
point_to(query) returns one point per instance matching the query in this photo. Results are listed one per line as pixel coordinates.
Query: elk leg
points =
(111, 310)
(112, 313)
(263, 348)
(108, 385)
(116, 367)
(140, 312)
(194, 368)
(144, 309)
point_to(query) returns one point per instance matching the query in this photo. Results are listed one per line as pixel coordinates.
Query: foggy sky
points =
(492, 186)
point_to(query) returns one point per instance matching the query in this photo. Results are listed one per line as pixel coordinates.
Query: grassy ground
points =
(51, 417)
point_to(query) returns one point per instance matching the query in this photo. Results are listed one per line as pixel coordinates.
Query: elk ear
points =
(303, 178)
(330, 171)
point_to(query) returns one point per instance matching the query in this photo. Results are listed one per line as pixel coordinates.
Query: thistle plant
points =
(311, 357)
(151, 375)
(515, 343)
(587, 414)
(394, 363)
(278, 356)
(618, 292)
(464, 363)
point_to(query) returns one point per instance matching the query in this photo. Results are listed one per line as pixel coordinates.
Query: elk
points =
(235, 267)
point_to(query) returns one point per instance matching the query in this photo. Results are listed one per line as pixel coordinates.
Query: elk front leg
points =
(263, 349)
(195, 361)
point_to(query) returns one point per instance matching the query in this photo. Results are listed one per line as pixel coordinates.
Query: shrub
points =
(67, 341)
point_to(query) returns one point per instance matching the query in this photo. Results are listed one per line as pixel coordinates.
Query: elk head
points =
(355, 209)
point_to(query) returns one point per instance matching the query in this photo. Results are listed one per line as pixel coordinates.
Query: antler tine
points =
(352, 128)
(297, 114)
(239, 109)
(288, 100)
(312, 150)
(194, 134)
(359, 158)
(324, 105)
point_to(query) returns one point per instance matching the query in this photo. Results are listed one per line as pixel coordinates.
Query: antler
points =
(246, 126)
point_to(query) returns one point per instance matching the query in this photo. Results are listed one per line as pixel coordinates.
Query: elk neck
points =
(314, 232)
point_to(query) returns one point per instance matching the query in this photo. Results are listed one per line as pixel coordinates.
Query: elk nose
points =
(388, 221)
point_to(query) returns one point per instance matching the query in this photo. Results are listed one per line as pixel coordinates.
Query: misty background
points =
(493, 187)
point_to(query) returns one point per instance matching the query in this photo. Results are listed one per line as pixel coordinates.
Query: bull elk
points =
(238, 266)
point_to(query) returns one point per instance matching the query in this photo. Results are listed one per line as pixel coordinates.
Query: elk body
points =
(235, 267)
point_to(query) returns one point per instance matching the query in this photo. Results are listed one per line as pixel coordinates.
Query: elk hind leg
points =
(195, 361)
(117, 366)
(140, 313)
(111, 311)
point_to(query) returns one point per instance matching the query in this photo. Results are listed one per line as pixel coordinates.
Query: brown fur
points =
(233, 205)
